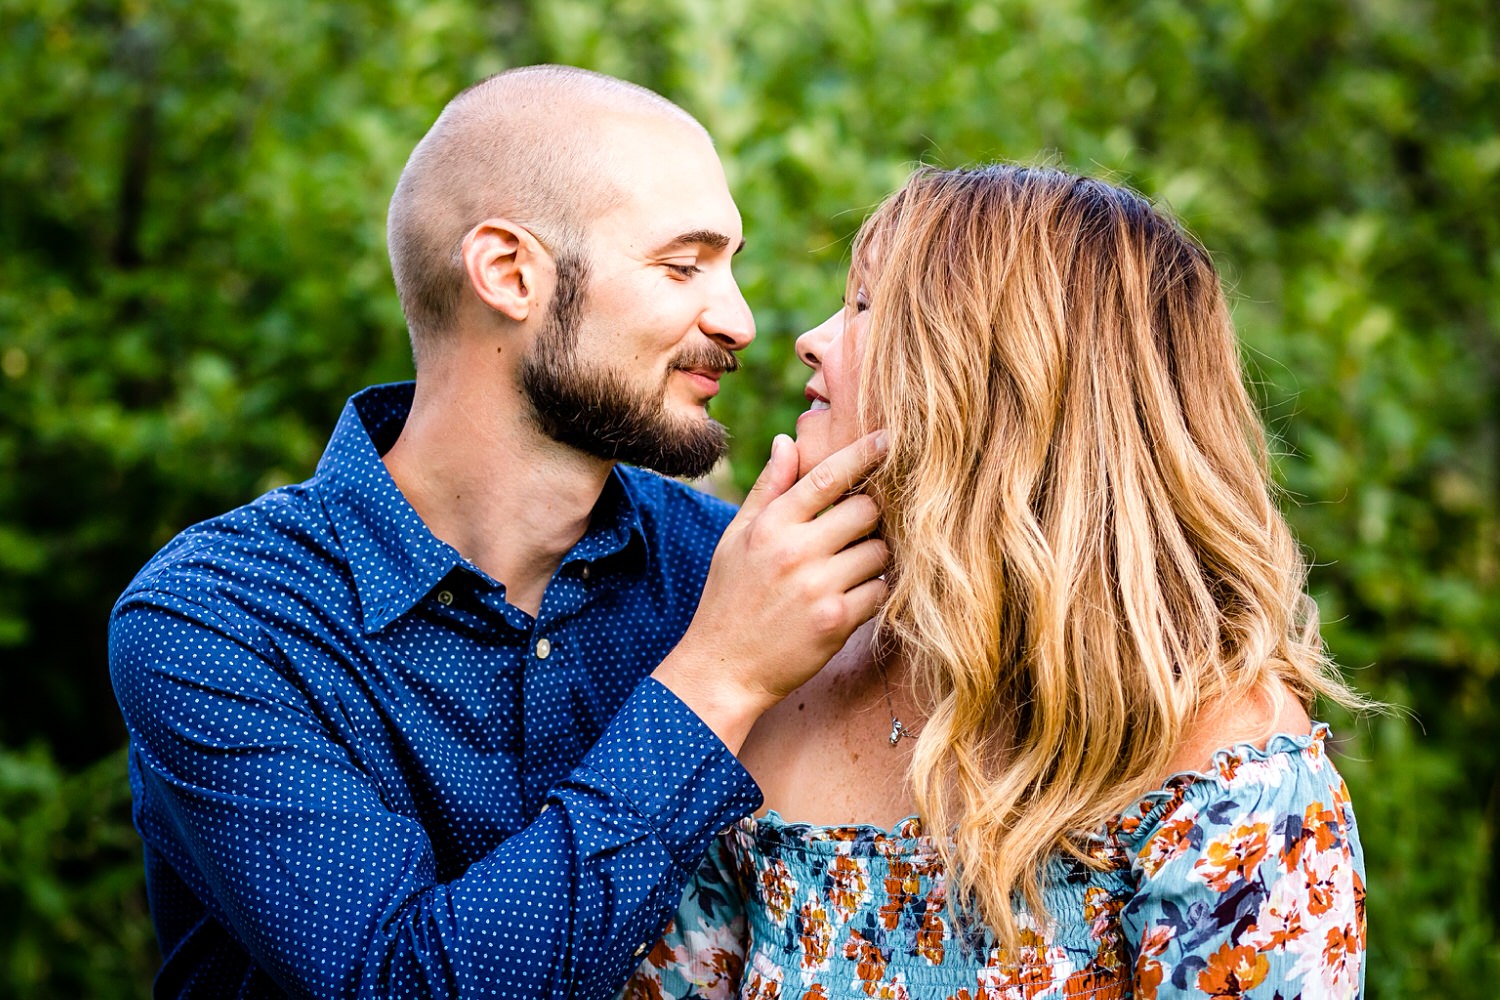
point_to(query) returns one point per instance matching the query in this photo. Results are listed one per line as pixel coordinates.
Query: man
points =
(392, 729)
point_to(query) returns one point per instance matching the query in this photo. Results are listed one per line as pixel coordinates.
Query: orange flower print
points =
(869, 962)
(662, 953)
(848, 887)
(934, 927)
(760, 987)
(1322, 829)
(1326, 825)
(1148, 977)
(1155, 941)
(777, 889)
(1170, 842)
(1094, 983)
(1314, 755)
(1232, 857)
(893, 990)
(1330, 968)
(816, 938)
(642, 988)
(1031, 971)
(1279, 922)
(1358, 885)
(1327, 880)
(723, 967)
(901, 888)
(853, 914)
(1340, 949)
(1102, 911)
(1232, 971)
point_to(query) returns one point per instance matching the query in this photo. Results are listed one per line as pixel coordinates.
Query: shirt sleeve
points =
(286, 837)
(702, 953)
(1252, 885)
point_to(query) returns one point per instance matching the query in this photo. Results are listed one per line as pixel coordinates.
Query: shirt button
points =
(543, 649)
(445, 597)
(585, 572)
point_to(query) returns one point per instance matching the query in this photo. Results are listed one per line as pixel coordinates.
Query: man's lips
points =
(706, 379)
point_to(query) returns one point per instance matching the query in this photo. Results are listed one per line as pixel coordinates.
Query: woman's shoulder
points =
(1251, 799)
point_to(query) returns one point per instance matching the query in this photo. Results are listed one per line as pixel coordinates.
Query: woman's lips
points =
(815, 404)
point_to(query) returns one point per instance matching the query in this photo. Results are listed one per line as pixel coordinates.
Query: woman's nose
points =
(812, 344)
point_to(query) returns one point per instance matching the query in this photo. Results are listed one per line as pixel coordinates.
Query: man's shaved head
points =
(527, 145)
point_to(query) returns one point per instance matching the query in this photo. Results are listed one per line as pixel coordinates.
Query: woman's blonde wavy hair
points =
(1085, 548)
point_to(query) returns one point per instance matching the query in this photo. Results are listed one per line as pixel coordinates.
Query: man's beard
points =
(598, 411)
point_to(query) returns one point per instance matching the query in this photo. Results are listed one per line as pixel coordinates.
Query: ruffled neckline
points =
(1224, 763)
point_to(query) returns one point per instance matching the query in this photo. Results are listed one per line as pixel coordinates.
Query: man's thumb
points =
(776, 478)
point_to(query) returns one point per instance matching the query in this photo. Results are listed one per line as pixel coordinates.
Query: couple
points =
(464, 713)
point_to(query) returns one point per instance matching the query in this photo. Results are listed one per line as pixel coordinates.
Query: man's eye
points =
(684, 270)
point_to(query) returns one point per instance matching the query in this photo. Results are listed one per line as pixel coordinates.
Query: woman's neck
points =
(824, 755)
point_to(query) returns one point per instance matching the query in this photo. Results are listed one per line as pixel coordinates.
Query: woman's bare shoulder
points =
(1226, 722)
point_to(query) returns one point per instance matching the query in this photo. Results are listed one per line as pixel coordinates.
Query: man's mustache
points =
(707, 357)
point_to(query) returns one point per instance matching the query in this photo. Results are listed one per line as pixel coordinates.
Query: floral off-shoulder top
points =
(1246, 881)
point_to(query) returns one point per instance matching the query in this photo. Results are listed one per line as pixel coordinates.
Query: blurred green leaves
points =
(73, 919)
(192, 278)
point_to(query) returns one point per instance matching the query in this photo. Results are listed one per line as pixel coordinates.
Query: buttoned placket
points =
(549, 674)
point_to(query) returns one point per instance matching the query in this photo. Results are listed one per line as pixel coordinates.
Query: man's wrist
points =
(707, 685)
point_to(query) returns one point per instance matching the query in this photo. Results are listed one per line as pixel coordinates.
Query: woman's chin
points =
(811, 449)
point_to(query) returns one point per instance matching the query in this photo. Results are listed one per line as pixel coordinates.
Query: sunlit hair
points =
(1084, 544)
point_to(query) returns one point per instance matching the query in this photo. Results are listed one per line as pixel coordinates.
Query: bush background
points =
(193, 278)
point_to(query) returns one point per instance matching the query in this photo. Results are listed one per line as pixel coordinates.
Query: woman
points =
(1095, 666)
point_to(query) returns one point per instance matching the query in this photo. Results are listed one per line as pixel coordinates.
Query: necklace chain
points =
(898, 728)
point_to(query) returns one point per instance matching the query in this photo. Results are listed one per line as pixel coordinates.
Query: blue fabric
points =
(1243, 881)
(358, 771)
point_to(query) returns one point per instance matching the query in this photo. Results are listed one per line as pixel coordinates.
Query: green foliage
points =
(73, 919)
(192, 278)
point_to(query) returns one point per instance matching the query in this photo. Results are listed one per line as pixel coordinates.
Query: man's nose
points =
(728, 318)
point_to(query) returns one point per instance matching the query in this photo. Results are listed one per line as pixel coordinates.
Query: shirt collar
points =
(395, 560)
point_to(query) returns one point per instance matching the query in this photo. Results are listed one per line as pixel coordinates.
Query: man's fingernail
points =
(882, 442)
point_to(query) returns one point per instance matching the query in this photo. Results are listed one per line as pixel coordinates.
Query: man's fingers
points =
(775, 479)
(835, 475)
(847, 521)
(858, 564)
(863, 601)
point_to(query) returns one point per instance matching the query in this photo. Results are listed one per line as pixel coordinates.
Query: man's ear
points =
(504, 262)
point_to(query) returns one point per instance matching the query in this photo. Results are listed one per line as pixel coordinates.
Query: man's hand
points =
(786, 589)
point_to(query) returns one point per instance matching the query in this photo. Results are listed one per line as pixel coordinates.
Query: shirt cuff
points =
(671, 767)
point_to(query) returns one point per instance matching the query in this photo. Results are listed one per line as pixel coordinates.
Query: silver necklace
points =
(898, 728)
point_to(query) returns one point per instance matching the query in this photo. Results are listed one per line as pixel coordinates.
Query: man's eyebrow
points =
(700, 237)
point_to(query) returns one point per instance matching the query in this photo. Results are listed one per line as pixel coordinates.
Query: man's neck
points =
(486, 481)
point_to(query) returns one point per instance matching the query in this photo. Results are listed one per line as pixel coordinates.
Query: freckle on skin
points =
(800, 706)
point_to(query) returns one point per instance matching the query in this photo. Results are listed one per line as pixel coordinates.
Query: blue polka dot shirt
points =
(359, 771)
